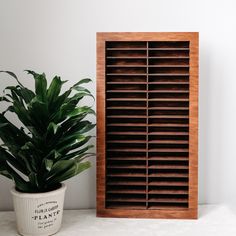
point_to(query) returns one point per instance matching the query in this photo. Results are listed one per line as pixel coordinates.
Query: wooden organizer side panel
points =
(147, 124)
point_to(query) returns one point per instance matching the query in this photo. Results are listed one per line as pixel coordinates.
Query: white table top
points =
(214, 220)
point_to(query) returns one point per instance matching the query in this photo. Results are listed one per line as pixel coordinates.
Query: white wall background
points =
(59, 37)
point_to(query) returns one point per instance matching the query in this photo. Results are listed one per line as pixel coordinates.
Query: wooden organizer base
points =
(147, 125)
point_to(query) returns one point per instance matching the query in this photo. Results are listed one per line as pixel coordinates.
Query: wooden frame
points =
(190, 211)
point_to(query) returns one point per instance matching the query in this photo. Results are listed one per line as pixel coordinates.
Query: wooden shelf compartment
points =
(168, 53)
(167, 183)
(126, 70)
(126, 62)
(169, 44)
(167, 206)
(126, 44)
(168, 62)
(169, 70)
(128, 53)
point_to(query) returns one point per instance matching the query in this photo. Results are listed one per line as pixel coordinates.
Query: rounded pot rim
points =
(37, 195)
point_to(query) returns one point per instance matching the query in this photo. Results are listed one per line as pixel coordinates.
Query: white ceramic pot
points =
(39, 214)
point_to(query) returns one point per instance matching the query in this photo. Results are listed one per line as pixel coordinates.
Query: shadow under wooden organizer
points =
(147, 106)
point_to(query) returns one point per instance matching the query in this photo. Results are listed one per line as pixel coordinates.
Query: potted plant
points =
(50, 146)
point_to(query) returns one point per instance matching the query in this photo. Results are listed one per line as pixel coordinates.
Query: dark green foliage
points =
(52, 144)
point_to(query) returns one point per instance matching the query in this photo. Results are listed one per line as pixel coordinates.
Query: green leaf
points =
(4, 99)
(33, 179)
(3, 124)
(53, 154)
(48, 164)
(73, 143)
(80, 111)
(70, 169)
(54, 90)
(40, 84)
(83, 81)
(16, 162)
(52, 127)
(12, 75)
(77, 153)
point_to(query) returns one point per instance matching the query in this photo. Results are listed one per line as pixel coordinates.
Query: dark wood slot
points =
(169, 188)
(172, 92)
(168, 167)
(180, 79)
(172, 206)
(168, 137)
(154, 155)
(129, 155)
(153, 103)
(167, 145)
(168, 112)
(126, 189)
(166, 158)
(168, 120)
(169, 175)
(128, 145)
(126, 53)
(126, 197)
(125, 91)
(169, 171)
(126, 62)
(169, 44)
(126, 70)
(125, 44)
(169, 151)
(168, 70)
(169, 53)
(125, 166)
(170, 141)
(168, 95)
(168, 62)
(126, 120)
(126, 112)
(127, 205)
(127, 49)
(126, 95)
(117, 141)
(126, 181)
(166, 162)
(126, 129)
(122, 172)
(168, 87)
(130, 103)
(126, 108)
(129, 79)
(126, 158)
(167, 181)
(127, 135)
(167, 191)
(138, 162)
(126, 86)
(175, 128)
(168, 198)
(168, 108)
(127, 66)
